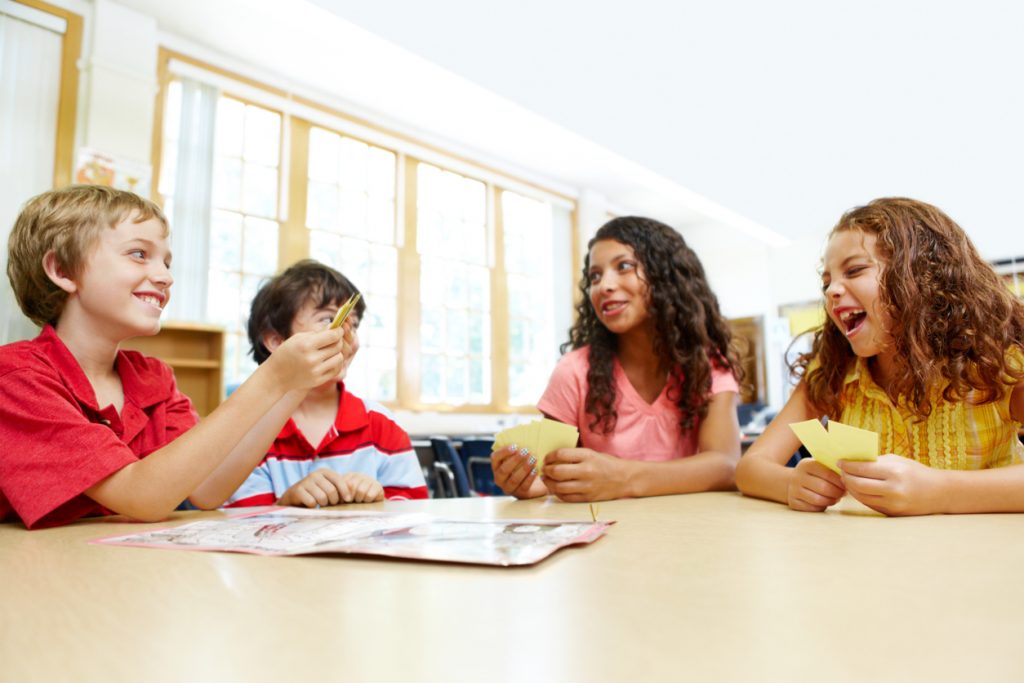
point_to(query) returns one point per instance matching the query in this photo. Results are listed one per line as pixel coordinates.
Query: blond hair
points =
(67, 222)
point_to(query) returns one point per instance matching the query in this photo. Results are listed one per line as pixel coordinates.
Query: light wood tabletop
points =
(699, 587)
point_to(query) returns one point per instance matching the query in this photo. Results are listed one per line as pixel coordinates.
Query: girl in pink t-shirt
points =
(650, 381)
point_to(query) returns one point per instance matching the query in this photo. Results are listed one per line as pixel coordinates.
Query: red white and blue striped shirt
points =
(362, 439)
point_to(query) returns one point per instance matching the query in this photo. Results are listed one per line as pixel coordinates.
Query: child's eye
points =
(825, 286)
(856, 270)
(139, 254)
(595, 277)
(627, 265)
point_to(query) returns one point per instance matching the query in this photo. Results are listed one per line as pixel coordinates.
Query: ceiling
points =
(786, 113)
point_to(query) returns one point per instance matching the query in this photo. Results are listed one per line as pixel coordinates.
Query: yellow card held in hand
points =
(346, 308)
(840, 442)
(540, 437)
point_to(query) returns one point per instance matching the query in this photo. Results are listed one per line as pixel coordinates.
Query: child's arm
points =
(895, 485)
(581, 474)
(244, 457)
(762, 471)
(151, 488)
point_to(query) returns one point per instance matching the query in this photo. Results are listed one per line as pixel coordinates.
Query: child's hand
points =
(894, 485)
(515, 473)
(327, 487)
(579, 475)
(309, 359)
(813, 487)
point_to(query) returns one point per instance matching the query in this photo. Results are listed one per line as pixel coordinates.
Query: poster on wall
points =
(95, 168)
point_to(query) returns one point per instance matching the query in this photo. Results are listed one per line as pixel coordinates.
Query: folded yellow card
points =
(540, 437)
(840, 442)
(343, 312)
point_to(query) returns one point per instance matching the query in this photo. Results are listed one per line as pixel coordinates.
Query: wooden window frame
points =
(294, 235)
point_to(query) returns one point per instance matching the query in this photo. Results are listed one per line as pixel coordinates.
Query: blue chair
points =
(476, 456)
(447, 458)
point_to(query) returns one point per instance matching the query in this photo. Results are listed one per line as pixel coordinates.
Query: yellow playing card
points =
(540, 437)
(840, 442)
(343, 312)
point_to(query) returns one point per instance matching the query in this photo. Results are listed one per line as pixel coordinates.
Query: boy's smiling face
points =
(125, 280)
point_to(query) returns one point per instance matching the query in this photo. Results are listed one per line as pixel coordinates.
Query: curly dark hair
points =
(952, 318)
(278, 300)
(690, 333)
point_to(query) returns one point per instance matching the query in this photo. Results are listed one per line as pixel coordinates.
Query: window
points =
(242, 222)
(455, 311)
(350, 214)
(448, 262)
(529, 269)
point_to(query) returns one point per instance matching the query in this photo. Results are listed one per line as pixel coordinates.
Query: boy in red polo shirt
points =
(87, 428)
(336, 448)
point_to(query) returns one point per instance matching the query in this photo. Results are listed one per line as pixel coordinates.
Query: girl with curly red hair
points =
(922, 343)
(648, 378)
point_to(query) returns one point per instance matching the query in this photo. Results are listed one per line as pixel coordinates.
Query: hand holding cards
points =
(540, 437)
(840, 442)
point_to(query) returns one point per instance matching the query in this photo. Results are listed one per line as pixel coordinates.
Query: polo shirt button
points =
(105, 422)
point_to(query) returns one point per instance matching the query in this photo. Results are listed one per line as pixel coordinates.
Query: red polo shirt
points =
(55, 442)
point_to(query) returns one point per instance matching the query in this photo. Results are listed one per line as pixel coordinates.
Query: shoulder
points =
(383, 429)
(574, 363)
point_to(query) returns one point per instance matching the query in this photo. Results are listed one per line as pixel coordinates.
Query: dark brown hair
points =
(280, 298)
(67, 222)
(952, 318)
(690, 333)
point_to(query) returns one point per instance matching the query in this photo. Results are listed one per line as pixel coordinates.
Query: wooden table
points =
(700, 587)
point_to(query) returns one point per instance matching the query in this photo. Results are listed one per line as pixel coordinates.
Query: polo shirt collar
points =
(351, 415)
(143, 390)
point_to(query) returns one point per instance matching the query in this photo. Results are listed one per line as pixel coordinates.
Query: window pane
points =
(381, 324)
(260, 246)
(226, 241)
(384, 270)
(230, 129)
(262, 136)
(322, 206)
(325, 247)
(380, 220)
(380, 181)
(457, 342)
(324, 148)
(227, 183)
(457, 386)
(432, 367)
(353, 165)
(260, 190)
(353, 213)
(382, 376)
(223, 299)
(432, 326)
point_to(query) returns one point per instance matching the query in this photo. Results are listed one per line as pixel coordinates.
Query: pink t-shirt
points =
(644, 431)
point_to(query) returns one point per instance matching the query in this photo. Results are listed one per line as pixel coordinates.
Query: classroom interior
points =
(272, 132)
(453, 159)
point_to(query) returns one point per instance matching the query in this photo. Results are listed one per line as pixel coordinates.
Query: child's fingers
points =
(863, 469)
(342, 484)
(567, 455)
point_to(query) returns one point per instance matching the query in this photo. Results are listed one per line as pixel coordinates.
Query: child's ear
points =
(55, 271)
(271, 340)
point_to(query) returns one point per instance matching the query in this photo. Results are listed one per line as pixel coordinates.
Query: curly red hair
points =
(953, 318)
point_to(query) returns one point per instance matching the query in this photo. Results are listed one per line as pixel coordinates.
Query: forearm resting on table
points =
(151, 488)
(761, 477)
(707, 471)
(994, 490)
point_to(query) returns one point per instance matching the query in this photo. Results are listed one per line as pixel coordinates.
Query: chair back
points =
(444, 452)
(476, 452)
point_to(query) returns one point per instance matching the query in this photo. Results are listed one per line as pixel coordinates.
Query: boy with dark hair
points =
(90, 429)
(336, 448)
